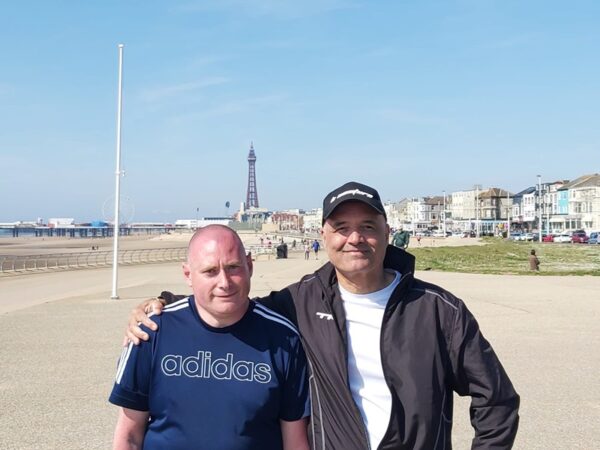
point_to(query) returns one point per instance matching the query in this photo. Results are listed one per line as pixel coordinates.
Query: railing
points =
(10, 264)
(260, 249)
(87, 260)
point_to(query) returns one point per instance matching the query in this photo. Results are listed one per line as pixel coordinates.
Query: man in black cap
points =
(386, 351)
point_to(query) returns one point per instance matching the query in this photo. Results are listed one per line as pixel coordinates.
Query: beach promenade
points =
(61, 337)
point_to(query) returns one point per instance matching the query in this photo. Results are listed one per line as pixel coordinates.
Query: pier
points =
(84, 231)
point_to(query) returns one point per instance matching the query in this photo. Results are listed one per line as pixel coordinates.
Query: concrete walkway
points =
(61, 338)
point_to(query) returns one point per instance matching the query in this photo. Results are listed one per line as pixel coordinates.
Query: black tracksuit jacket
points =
(430, 347)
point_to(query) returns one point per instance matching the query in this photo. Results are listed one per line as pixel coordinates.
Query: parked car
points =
(528, 237)
(563, 237)
(579, 237)
(594, 238)
(547, 238)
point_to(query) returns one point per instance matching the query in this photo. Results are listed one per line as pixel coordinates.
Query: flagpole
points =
(118, 174)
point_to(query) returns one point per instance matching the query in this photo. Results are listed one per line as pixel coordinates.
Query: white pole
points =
(477, 210)
(412, 216)
(444, 227)
(540, 211)
(114, 294)
(548, 210)
(507, 215)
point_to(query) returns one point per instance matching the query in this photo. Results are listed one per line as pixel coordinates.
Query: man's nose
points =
(355, 237)
(224, 279)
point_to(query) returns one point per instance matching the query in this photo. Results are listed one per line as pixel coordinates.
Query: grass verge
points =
(499, 256)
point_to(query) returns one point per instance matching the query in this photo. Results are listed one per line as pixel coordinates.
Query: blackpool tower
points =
(252, 193)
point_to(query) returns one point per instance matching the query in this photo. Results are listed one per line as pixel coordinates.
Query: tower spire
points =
(252, 193)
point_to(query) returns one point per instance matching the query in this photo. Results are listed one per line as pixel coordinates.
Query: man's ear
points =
(187, 273)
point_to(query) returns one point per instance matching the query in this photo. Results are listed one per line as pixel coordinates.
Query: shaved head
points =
(213, 232)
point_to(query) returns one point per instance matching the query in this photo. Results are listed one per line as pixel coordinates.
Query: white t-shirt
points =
(364, 316)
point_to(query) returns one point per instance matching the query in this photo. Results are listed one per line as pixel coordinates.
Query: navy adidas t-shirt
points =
(215, 388)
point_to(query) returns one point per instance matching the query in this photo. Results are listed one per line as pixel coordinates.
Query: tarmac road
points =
(61, 338)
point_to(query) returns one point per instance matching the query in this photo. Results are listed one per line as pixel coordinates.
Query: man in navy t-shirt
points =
(217, 356)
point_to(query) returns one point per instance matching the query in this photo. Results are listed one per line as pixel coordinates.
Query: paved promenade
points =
(61, 337)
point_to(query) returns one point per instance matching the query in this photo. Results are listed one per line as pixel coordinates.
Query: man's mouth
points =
(226, 296)
(355, 250)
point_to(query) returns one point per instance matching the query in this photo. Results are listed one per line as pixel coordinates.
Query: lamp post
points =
(507, 214)
(477, 187)
(414, 207)
(548, 209)
(540, 211)
(118, 174)
(444, 215)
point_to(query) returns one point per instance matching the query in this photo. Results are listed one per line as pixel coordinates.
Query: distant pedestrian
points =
(315, 247)
(306, 251)
(419, 239)
(534, 262)
(401, 239)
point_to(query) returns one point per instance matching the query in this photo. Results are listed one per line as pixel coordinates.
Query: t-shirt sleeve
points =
(296, 399)
(132, 382)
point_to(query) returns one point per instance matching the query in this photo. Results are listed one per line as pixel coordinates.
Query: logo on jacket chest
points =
(326, 316)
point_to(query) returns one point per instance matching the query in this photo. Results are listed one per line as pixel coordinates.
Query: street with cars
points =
(572, 237)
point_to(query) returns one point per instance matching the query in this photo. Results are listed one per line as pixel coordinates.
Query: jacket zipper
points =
(383, 366)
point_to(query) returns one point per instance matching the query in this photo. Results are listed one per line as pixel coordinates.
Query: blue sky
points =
(412, 97)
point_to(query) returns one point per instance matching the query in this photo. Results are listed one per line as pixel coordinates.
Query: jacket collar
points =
(395, 259)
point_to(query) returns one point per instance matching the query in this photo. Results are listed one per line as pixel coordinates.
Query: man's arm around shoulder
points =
(139, 315)
(282, 302)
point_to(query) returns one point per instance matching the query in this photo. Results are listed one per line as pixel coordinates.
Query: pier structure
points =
(83, 231)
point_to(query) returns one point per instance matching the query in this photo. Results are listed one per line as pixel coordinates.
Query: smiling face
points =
(218, 271)
(356, 237)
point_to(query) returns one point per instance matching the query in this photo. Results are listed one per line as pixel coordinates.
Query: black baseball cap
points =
(352, 191)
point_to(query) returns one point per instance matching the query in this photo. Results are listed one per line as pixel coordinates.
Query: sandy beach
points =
(45, 245)
(61, 339)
